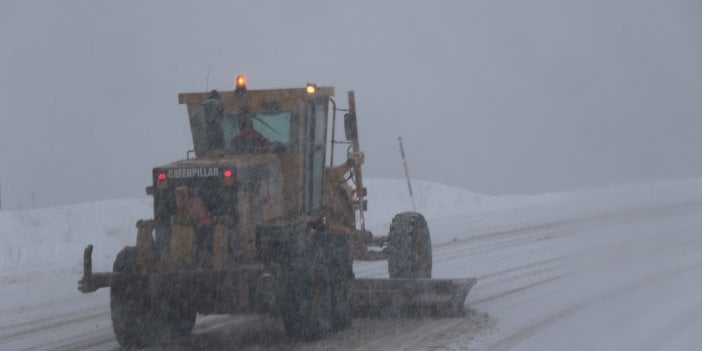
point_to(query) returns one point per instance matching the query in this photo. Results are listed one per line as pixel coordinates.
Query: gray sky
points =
(505, 96)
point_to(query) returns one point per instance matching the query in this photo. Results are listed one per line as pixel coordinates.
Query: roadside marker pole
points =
(409, 183)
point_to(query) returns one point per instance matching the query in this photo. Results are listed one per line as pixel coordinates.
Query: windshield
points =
(257, 132)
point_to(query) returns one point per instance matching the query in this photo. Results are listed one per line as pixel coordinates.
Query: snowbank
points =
(53, 238)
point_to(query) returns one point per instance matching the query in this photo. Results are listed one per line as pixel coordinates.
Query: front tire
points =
(409, 246)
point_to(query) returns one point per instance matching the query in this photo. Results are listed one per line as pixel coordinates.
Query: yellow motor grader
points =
(259, 219)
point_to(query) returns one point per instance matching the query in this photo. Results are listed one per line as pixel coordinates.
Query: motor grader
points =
(259, 219)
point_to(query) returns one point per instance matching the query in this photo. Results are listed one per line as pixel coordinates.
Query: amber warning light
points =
(240, 82)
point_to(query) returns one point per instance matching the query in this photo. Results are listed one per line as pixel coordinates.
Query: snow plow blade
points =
(410, 297)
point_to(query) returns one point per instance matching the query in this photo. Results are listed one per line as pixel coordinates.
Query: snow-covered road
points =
(614, 269)
(628, 282)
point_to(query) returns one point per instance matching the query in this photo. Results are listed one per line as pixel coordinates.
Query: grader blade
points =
(410, 297)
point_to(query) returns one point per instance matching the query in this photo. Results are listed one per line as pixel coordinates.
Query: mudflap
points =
(410, 297)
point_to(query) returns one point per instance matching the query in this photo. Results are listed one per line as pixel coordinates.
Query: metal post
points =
(409, 183)
(357, 172)
(333, 132)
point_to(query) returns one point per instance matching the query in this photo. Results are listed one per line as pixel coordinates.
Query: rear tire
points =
(306, 298)
(177, 315)
(133, 315)
(140, 319)
(341, 273)
(409, 247)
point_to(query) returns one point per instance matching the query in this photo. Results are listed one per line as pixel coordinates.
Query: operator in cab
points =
(249, 140)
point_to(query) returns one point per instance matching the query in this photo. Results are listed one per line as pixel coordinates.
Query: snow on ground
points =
(606, 269)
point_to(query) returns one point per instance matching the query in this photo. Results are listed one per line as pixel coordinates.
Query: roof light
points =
(240, 82)
(311, 88)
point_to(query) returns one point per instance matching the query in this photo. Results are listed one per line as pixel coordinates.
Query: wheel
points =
(409, 247)
(133, 314)
(306, 297)
(176, 315)
(341, 273)
(140, 319)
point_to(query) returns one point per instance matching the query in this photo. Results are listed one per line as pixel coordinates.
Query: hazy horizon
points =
(508, 97)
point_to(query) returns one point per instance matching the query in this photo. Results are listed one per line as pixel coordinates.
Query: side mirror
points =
(350, 126)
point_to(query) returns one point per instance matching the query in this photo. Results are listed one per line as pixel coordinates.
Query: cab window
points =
(257, 132)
